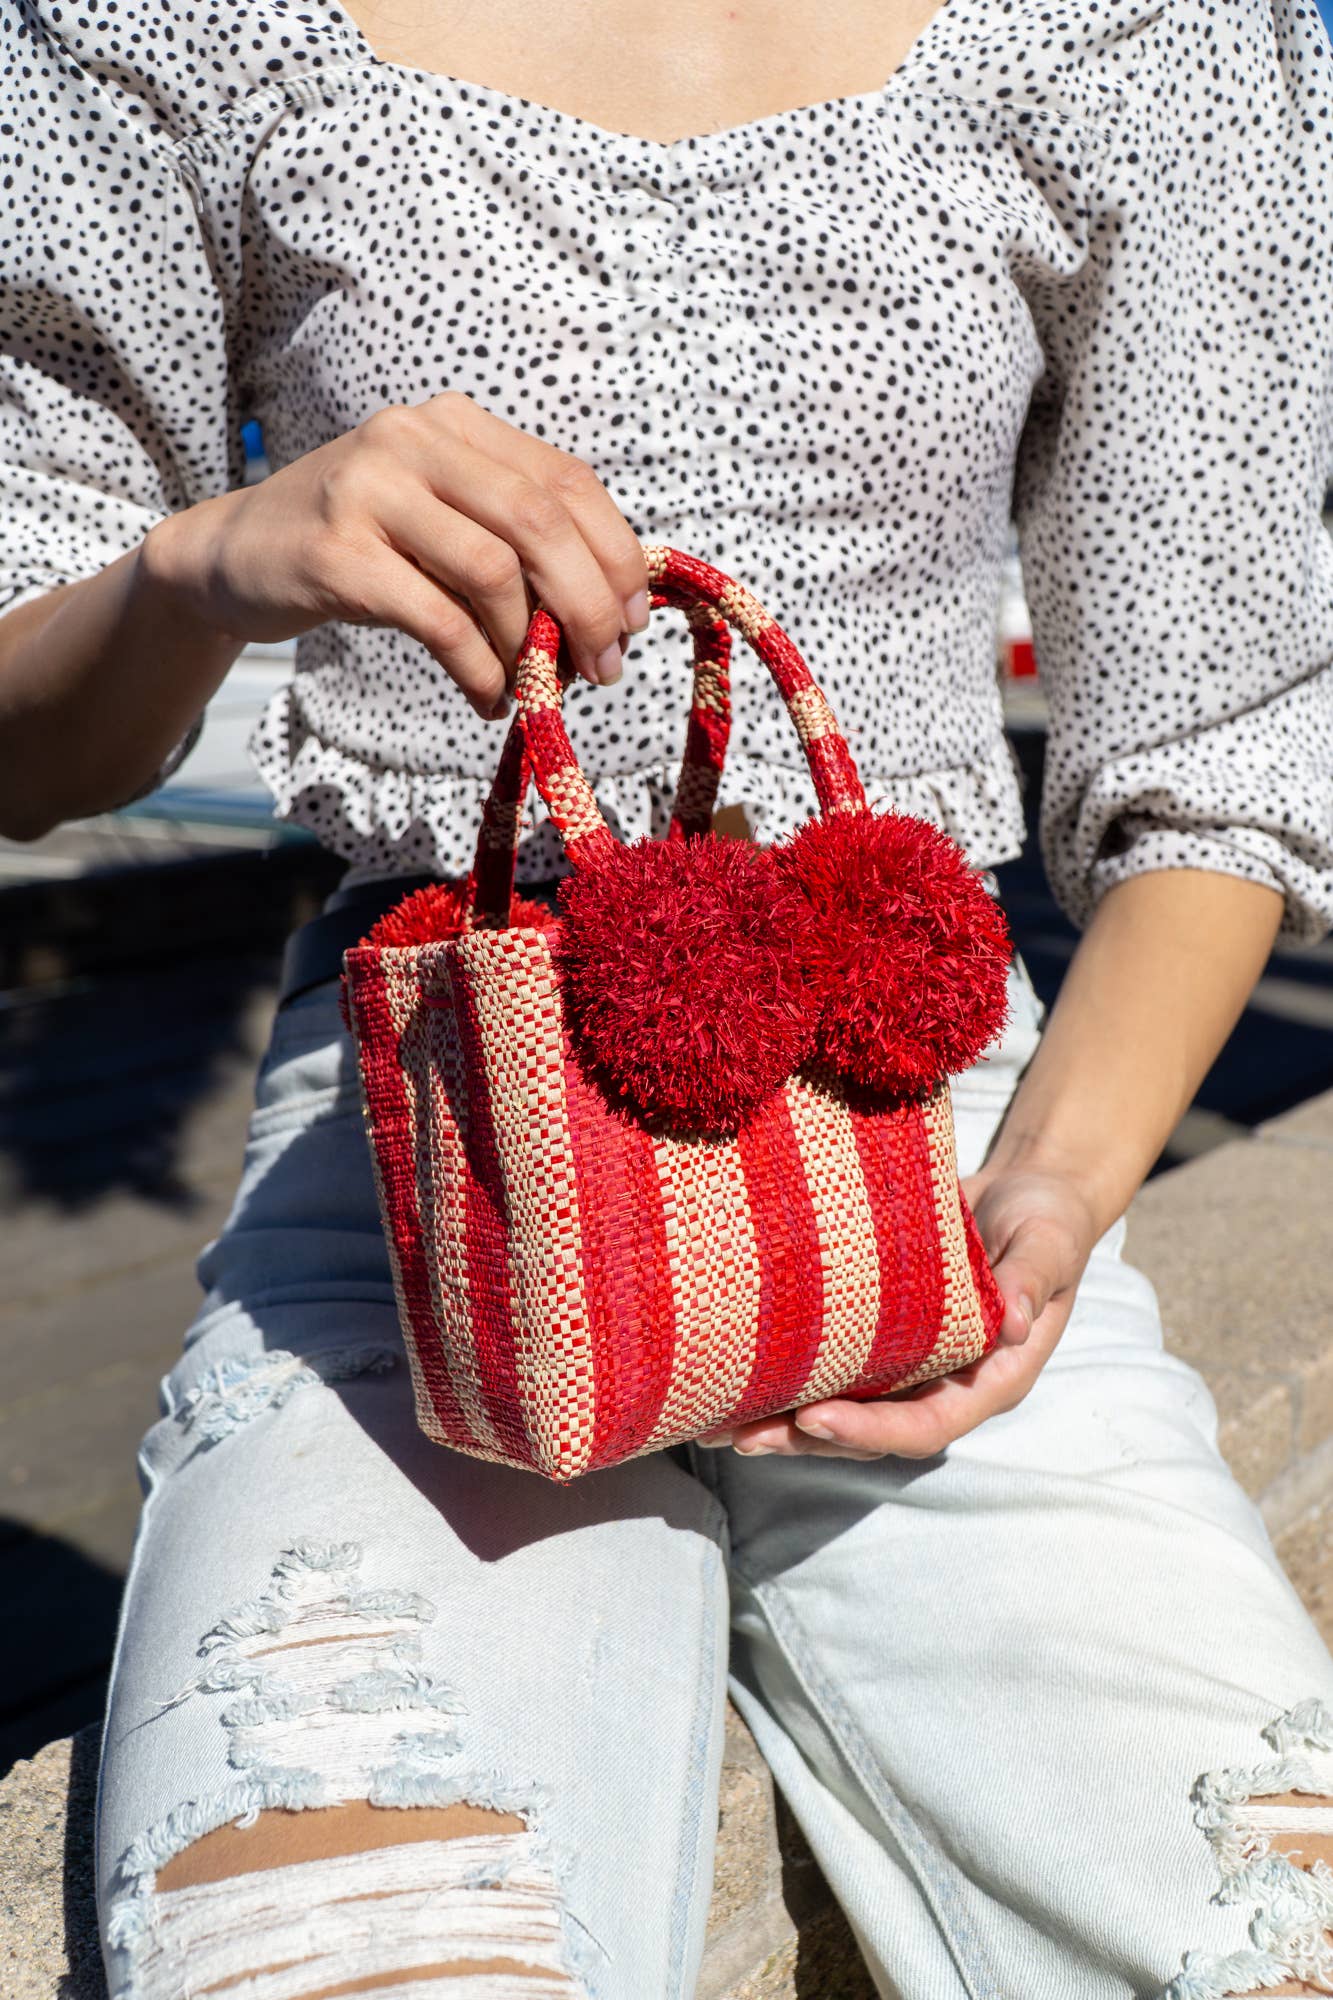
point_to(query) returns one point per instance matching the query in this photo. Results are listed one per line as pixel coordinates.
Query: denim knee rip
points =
(330, 1704)
(1293, 1905)
(237, 1388)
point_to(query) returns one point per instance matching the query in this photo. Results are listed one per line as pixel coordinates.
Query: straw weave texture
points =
(576, 1286)
(576, 1289)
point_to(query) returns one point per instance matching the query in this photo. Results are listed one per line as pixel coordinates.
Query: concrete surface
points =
(49, 1947)
(1240, 1248)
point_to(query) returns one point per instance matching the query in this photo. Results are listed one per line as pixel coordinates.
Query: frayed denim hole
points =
(1292, 1906)
(231, 1392)
(324, 1667)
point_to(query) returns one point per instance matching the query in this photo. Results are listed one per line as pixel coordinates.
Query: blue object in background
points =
(1326, 12)
(256, 464)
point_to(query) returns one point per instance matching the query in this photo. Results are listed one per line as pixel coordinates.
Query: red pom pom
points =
(441, 910)
(912, 951)
(683, 972)
(437, 911)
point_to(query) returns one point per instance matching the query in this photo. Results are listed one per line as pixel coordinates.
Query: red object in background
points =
(1020, 662)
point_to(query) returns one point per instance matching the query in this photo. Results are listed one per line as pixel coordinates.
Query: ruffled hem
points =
(389, 820)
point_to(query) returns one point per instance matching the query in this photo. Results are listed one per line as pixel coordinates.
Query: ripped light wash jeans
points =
(1015, 1694)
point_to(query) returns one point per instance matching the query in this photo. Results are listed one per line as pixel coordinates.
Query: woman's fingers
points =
(1034, 1251)
(549, 548)
(393, 591)
(583, 559)
(471, 563)
(922, 1422)
(1038, 1234)
(1026, 1280)
(915, 1425)
(996, 1230)
(438, 518)
(613, 544)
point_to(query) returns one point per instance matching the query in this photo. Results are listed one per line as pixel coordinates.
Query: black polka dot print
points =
(1070, 266)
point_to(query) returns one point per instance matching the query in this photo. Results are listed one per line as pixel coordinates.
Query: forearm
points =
(99, 681)
(1156, 985)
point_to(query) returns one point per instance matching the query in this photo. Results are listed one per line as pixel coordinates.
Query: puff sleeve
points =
(116, 401)
(1170, 476)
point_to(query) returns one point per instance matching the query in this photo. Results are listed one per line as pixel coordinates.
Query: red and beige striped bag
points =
(679, 1153)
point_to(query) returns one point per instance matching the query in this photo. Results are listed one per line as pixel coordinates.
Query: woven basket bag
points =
(612, 1231)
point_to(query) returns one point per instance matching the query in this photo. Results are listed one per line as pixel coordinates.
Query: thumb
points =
(1026, 1280)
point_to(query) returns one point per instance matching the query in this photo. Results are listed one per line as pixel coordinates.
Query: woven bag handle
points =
(538, 745)
(696, 792)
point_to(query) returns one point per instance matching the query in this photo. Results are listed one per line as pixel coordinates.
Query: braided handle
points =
(538, 745)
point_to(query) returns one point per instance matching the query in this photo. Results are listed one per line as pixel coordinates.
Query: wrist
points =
(172, 574)
(1104, 1181)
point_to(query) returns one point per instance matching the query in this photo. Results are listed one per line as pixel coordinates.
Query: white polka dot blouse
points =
(1070, 267)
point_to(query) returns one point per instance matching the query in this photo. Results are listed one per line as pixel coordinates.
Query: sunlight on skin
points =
(1303, 1848)
(279, 1836)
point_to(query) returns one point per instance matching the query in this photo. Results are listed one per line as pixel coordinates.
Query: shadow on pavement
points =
(120, 998)
(64, 1604)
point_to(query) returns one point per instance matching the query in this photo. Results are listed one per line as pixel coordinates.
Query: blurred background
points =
(139, 954)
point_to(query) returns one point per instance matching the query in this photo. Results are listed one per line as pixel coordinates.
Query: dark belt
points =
(314, 954)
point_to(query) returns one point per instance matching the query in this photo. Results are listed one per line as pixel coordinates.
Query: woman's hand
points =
(438, 518)
(1039, 1229)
